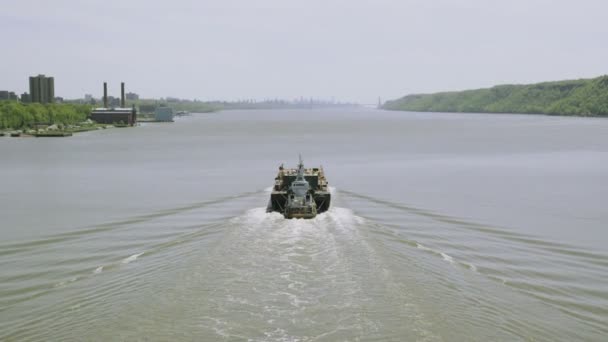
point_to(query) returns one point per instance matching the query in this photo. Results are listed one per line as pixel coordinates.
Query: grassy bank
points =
(585, 97)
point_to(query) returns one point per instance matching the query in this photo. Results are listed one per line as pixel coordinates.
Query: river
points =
(443, 227)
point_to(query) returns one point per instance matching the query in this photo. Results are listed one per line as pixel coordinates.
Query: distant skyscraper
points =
(42, 89)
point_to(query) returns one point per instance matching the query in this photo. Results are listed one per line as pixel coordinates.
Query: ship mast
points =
(300, 170)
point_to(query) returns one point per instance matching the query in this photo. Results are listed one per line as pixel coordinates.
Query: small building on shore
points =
(163, 114)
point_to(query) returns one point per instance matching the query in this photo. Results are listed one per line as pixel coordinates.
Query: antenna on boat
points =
(300, 168)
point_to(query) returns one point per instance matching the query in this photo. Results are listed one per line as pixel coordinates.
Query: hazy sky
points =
(351, 50)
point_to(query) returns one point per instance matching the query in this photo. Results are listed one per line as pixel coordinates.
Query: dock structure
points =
(114, 116)
(163, 114)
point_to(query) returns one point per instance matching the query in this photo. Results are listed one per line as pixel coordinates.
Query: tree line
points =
(17, 115)
(585, 97)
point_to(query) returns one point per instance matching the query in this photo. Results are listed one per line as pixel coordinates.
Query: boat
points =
(299, 192)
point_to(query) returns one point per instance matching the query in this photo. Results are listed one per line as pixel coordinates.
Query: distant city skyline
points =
(354, 51)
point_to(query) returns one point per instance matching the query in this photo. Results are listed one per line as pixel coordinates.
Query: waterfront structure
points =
(42, 89)
(164, 114)
(114, 116)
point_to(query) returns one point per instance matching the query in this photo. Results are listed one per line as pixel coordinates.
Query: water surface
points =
(443, 227)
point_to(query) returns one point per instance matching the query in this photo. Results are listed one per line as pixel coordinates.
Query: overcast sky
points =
(352, 50)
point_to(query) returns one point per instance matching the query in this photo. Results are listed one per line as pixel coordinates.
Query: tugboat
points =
(299, 193)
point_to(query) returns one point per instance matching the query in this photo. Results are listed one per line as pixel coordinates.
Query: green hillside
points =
(585, 97)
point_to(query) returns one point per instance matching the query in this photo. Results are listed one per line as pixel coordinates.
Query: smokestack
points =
(122, 95)
(105, 95)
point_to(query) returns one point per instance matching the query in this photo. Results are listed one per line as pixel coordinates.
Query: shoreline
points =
(54, 133)
(580, 98)
(497, 113)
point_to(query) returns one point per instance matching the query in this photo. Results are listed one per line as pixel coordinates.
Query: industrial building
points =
(113, 116)
(42, 89)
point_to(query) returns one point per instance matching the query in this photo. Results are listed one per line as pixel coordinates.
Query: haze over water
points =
(442, 227)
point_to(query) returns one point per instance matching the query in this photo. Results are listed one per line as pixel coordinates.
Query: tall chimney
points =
(105, 95)
(122, 95)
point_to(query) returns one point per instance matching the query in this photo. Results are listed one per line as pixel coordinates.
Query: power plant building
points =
(113, 116)
(42, 89)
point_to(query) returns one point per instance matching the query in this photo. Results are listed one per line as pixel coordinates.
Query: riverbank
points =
(584, 97)
(55, 131)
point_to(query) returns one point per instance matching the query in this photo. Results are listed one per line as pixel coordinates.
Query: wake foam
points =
(447, 258)
(131, 258)
(424, 248)
(443, 255)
